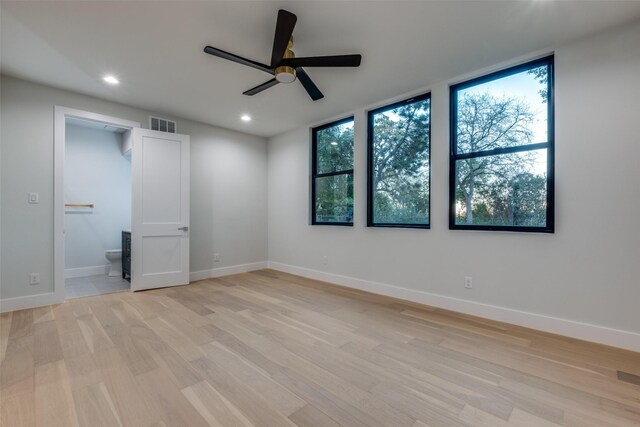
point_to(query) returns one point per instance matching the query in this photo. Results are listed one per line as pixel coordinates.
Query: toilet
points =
(114, 256)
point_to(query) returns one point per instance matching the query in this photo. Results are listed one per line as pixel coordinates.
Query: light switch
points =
(34, 198)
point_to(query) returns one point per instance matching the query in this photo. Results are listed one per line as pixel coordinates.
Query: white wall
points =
(588, 271)
(95, 172)
(228, 186)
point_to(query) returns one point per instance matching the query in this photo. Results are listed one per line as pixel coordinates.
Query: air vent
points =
(163, 125)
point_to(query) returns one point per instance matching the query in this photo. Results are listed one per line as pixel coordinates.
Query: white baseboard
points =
(96, 270)
(40, 300)
(226, 271)
(584, 331)
(30, 301)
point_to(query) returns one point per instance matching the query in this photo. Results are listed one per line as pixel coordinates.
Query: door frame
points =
(61, 114)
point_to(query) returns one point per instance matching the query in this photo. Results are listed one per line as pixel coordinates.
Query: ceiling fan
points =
(284, 64)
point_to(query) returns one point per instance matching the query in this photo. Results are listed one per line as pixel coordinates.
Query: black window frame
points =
(314, 169)
(549, 145)
(370, 114)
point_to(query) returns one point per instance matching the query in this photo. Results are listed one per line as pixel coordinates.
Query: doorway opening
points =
(92, 192)
(97, 222)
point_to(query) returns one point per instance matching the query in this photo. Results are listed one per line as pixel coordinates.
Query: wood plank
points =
(186, 328)
(326, 357)
(337, 409)
(95, 407)
(628, 377)
(179, 370)
(417, 406)
(241, 395)
(375, 408)
(94, 334)
(524, 419)
(310, 416)
(83, 371)
(276, 396)
(43, 314)
(5, 327)
(246, 345)
(168, 400)
(446, 389)
(47, 347)
(21, 324)
(149, 306)
(551, 370)
(18, 410)
(18, 368)
(129, 339)
(182, 344)
(54, 404)
(478, 418)
(132, 406)
(214, 407)
(173, 306)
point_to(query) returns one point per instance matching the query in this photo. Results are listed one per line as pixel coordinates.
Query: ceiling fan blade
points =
(284, 28)
(308, 84)
(324, 61)
(240, 60)
(260, 88)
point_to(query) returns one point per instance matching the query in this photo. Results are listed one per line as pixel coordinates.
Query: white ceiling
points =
(155, 48)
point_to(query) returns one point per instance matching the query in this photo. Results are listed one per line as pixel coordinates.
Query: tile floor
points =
(94, 285)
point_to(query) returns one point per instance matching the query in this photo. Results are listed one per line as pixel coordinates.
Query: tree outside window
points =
(399, 164)
(502, 150)
(332, 170)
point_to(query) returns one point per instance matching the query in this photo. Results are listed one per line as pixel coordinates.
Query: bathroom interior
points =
(97, 220)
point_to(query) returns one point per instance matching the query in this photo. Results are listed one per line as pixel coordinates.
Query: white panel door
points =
(160, 210)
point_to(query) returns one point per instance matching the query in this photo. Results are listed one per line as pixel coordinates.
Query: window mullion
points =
(335, 173)
(504, 150)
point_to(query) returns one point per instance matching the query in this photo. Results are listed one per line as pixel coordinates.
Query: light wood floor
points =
(270, 349)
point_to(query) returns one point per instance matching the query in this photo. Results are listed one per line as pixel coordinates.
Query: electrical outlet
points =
(34, 278)
(216, 257)
(468, 282)
(325, 260)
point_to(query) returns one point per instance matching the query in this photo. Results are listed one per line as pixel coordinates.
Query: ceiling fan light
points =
(285, 74)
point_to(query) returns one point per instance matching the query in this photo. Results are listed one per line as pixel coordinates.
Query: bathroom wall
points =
(95, 172)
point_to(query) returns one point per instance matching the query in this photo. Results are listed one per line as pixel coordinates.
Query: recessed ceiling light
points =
(334, 143)
(245, 118)
(111, 80)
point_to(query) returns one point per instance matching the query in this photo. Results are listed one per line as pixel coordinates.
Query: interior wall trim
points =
(29, 301)
(226, 271)
(71, 273)
(569, 328)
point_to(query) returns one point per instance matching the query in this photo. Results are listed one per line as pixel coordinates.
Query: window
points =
(399, 165)
(332, 173)
(501, 162)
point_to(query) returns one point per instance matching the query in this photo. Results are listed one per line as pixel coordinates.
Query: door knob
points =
(183, 228)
